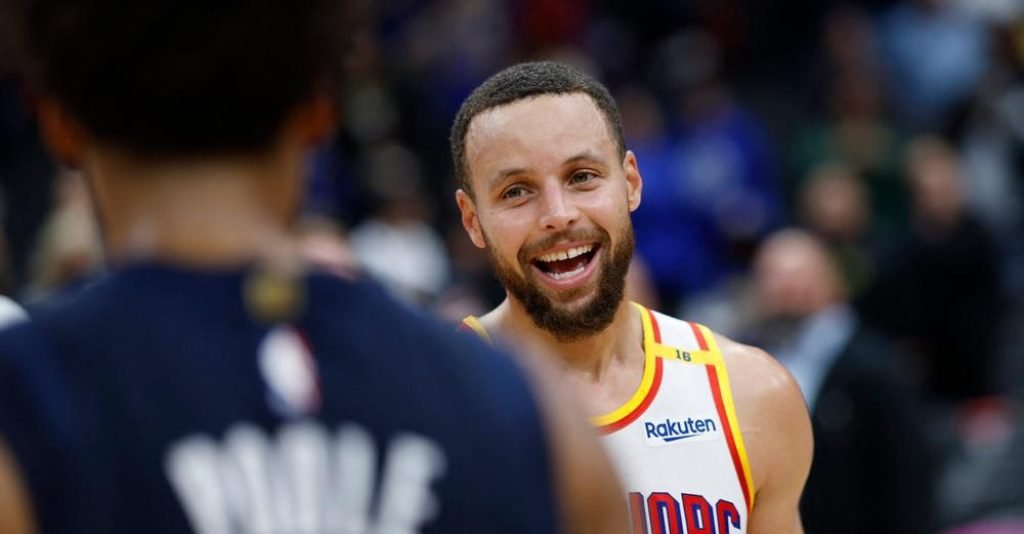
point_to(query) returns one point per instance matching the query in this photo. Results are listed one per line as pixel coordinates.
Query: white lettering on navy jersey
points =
(305, 481)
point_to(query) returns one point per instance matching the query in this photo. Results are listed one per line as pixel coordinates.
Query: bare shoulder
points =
(759, 381)
(772, 415)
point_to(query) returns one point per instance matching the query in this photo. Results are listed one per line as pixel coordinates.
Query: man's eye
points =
(513, 193)
(582, 177)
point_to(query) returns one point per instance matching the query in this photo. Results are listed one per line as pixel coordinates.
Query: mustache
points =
(598, 236)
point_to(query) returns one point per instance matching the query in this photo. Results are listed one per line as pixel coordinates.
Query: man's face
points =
(551, 204)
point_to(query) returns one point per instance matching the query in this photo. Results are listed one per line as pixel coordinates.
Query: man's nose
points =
(559, 210)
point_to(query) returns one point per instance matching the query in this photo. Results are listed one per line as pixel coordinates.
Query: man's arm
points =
(776, 430)
(15, 511)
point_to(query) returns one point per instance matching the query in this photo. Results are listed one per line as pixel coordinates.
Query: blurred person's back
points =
(211, 380)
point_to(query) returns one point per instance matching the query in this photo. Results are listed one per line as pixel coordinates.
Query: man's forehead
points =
(536, 123)
(545, 108)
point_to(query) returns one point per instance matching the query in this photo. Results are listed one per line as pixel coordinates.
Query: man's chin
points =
(572, 325)
(573, 300)
(570, 319)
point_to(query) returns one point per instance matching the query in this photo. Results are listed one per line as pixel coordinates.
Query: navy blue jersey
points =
(154, 401)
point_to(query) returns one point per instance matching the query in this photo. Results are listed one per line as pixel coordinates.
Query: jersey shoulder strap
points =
(675, 339)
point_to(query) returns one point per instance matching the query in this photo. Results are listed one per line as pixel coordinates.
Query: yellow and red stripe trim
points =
(649, 382)
(718, 377)
(659, 350)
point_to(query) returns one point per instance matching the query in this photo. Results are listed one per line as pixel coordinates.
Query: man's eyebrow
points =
(505, 173)
(586, 155)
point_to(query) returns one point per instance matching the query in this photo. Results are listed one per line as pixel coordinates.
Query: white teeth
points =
(574, 272)
(566, 254)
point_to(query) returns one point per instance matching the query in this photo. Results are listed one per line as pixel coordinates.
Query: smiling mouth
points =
(566, 263)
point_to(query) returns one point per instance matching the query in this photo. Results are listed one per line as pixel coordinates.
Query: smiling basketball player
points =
(709, 436)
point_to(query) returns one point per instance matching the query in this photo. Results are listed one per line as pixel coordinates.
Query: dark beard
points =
(595, 316)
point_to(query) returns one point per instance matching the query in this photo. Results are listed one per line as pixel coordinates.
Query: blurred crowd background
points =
(838, 182)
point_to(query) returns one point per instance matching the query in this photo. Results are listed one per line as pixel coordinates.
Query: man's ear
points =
(634, 182)
(470, 221)
(64, 136)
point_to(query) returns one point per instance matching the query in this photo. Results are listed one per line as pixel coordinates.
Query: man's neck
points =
(619, 344)
(204, 212)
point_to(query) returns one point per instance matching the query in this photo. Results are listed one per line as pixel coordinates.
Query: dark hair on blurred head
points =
(523, 81)
(178, 77)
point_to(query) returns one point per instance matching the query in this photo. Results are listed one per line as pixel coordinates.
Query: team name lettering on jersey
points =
(305, 480)
(664, 513)
(664, 431)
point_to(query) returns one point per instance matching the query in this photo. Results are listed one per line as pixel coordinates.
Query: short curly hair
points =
(523, 81)
(178, 77)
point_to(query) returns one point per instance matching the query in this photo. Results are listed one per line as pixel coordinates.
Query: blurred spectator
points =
(322, 244)
(935, 53)
(943, 294)
(855, 130)
(859, 135)
(647, 136)
(331, 187)
(397, 244)
(850, 42)
(993, 148)
(444, 49)
(872, 469)
(834, 204)
(615, 49)
(701, 218)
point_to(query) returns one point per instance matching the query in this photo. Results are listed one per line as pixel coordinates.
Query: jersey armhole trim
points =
(718, 377)
(649, 382)
(472, 324)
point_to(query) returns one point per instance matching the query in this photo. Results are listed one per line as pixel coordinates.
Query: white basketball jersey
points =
(676, 443)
